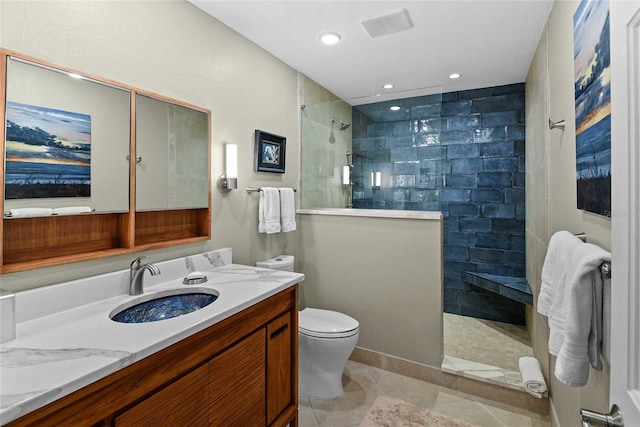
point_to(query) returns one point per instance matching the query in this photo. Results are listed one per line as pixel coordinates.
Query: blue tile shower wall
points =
(461, 153)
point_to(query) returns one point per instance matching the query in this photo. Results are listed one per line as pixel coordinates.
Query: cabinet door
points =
(183, 402)
(279, 358)
(237, 384)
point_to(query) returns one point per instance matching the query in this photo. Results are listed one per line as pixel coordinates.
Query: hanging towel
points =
(555, 269)
(287, 210)
(581, 336)
(269, 211)
(25, 212)
(532, 378)
(70, 210)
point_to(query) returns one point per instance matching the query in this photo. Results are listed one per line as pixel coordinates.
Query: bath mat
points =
(389, 412)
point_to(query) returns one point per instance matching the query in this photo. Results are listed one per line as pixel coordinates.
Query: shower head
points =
(343, 125)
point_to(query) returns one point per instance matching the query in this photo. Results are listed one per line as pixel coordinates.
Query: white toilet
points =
(325, 342)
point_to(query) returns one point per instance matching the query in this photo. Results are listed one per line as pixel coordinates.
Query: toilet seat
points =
(315, 322)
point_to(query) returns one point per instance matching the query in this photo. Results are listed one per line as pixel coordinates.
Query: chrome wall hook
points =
(556, 125)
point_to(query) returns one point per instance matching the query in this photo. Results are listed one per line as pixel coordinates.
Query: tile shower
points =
(461, 153)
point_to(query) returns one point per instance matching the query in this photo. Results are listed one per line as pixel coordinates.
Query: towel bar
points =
(605, 268)
(255, 190)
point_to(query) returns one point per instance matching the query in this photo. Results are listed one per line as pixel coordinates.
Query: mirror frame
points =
(36, 242)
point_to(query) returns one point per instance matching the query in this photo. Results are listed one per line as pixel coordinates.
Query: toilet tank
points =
(281, 262)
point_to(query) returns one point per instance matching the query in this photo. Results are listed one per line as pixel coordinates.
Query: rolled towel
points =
(24, 212)
(69, 210)
(532, 378)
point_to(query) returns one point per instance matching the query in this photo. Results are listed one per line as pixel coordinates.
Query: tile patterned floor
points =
(363, 384)
(484, 348)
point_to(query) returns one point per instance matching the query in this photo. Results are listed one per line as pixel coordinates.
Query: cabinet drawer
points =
(279, 358)
(183, 402)
(237, 384)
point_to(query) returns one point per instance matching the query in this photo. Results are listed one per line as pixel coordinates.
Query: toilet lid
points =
(320, 323)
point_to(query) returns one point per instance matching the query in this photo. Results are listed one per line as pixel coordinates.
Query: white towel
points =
(582, 334)
(69, 210)
(555, 269)
(287, 210)
(25, 212)
(532, 378)
(269, 211)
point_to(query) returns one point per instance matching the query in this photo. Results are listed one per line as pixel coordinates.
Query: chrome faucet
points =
(136, 273)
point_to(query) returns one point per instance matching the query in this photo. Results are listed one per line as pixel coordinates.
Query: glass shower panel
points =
(326, 135)
(398, 159)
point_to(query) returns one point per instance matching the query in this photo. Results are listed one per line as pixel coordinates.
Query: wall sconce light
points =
(346, 175)
(376, 180)
(229, 180)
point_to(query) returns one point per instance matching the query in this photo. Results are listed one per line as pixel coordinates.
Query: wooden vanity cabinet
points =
(241, 372)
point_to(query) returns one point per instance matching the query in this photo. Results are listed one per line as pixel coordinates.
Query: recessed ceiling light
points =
(330, 38)
(388, 86)
(394, 108)
(454, 76)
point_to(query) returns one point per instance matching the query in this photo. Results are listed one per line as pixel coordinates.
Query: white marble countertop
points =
(57, 353)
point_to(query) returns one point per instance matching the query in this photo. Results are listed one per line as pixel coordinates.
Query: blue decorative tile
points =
(462, 151)
(495, 179)
(499, 210)
(508, 225)
(420, 111)
(482, 225)
(487, 195)
(456, 253)
(486, 105)
(451, 224)
(404, 168)
(425, 139)
(456, 137)
(427, 125)
(493, 240)
(521, 211)
(460, 180)
(459, 239)
(501, 118)
(500, 164)
(490, 134)
(401, 128)
(462, 122)
(497, 149)
(399, 141)
(514, 195)
(518, 243)
(455, 195)
(373, 143)
(403, 154)
(378, 156)
(464, 210)
(466, 165)
(450, 97)
(456, 108)
(515, 132)
(377, 129)
(475, 93)
(518, 88)
(432, 152)
(484, 255)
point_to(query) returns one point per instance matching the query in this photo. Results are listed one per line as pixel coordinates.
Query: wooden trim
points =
(131, 385)
(3, 112)
(134, 231)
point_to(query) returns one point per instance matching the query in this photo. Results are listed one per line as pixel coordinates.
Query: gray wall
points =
(174, 49)
(384, 272)
(551, 198)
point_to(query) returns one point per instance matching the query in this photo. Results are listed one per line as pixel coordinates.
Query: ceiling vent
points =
(387, 23)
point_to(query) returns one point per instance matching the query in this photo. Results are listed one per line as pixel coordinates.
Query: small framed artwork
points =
(270, 152)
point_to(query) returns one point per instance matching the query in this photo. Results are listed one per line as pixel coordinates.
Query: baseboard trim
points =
(453, 381)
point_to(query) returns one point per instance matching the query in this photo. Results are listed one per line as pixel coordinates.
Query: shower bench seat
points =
(515, 288)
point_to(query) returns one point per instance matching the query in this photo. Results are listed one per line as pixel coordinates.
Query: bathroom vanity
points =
(233, 362)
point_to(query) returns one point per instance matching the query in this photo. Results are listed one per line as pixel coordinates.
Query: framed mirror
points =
(172, 155)
(67, 141)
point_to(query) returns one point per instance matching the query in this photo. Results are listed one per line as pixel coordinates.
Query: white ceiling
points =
(490, 43)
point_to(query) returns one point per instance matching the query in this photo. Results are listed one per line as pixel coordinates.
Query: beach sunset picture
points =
(592, 77)
(48, 153)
